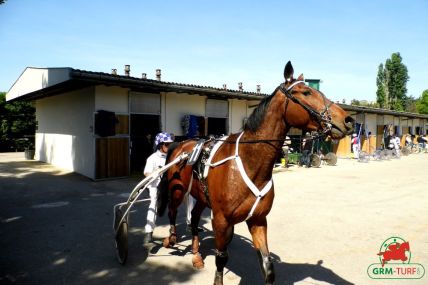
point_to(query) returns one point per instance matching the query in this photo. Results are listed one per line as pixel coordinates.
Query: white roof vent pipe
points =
(127, 69)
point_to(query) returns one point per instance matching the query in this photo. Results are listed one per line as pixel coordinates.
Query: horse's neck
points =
(273, 127)
(262, 156)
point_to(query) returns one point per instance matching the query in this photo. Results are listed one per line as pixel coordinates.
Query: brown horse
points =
(239, 187)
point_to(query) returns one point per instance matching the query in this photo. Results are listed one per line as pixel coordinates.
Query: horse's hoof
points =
(166, 242)
(169, 241)
(218, 278)
(197, 261)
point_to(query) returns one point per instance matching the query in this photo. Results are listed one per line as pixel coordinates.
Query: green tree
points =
(392, 83)
(381, 96)
(422, 103)
(410, 104)
(355, 102)
(17, 124)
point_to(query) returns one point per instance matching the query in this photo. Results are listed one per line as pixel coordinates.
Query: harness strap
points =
(258, 193)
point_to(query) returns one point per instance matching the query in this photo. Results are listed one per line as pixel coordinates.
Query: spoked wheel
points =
(331, 158)
(395, 154)
(315, 160)
(377, 155)
(363, 156)
(405, 151)
(384, 154)
(121, 236)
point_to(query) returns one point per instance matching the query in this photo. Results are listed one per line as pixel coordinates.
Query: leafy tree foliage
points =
(410, 104)
(17, 125)
(364, 103)
(381, 96)
(392, 83)
(422, 104)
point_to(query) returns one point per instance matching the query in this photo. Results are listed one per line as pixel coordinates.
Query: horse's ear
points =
(288, 72)
(300, 78)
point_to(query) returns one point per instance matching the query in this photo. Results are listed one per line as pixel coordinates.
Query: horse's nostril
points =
(349, 122)
(349, 119)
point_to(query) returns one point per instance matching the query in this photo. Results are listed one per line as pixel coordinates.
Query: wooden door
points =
(112, 157)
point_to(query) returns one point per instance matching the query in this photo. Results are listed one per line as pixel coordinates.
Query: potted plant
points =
(27, 145)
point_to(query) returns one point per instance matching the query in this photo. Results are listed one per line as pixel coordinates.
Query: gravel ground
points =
(326, 227)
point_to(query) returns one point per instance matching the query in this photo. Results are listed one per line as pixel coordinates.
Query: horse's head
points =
(405, 246)
(307, 108)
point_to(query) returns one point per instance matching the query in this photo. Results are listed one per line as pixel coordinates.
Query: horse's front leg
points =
(258, 230)
(177, 195)
(223, 235)
(197, 260)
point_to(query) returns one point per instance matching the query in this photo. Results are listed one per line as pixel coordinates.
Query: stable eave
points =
(149, 85)
(37, 83)
(371, 110)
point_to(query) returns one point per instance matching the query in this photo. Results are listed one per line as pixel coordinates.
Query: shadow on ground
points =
(56, 228)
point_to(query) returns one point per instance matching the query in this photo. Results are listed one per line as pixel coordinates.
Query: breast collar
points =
(258, 193)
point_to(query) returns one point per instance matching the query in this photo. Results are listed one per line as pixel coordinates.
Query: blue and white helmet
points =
(163, 138)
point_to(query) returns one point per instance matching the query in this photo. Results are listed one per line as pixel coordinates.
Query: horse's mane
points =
(256, 118)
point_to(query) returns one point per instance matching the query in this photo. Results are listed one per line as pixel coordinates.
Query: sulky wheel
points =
(121, 237)
(389, 153)
(384, 154)
(363, 156)
(377, 155)
(405, 151)
(315, 160)
(331, 158)
(394, 154)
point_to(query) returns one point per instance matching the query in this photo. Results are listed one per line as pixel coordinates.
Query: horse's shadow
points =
(243, 262)
(286, 273)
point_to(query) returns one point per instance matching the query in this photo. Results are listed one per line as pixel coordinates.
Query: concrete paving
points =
(326, 227)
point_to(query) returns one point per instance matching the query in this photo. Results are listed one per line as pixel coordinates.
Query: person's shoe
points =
(148, 238)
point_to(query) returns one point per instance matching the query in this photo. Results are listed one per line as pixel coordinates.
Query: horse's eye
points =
(307, 92)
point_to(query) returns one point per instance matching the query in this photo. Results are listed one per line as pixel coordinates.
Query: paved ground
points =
(326, 227)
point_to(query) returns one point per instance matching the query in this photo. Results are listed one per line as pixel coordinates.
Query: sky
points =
(212, 43)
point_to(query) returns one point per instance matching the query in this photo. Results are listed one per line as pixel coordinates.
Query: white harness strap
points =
(258, 193)
(213, 152)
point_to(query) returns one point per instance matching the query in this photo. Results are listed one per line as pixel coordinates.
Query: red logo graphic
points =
(395, 251)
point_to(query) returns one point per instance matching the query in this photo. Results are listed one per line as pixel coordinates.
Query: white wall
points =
(388, 119)
(237, 114)
(371, 124)
(33, 79)
(175, 106)
(64, 136)
(114, 99)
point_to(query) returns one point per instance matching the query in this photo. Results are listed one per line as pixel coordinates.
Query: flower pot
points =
(29, 154)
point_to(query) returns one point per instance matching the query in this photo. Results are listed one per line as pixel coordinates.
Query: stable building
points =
(373, 125)
(102, 125)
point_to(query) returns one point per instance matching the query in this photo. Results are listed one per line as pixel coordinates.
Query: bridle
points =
(323, 118)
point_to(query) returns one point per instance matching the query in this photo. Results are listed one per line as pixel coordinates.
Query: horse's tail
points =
(163, 195)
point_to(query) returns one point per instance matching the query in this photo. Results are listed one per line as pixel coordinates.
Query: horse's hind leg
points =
(177, 194)
(223, 235)
(258, 230)
(197, 260)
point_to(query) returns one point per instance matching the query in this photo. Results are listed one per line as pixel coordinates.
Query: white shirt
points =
(154, 161)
